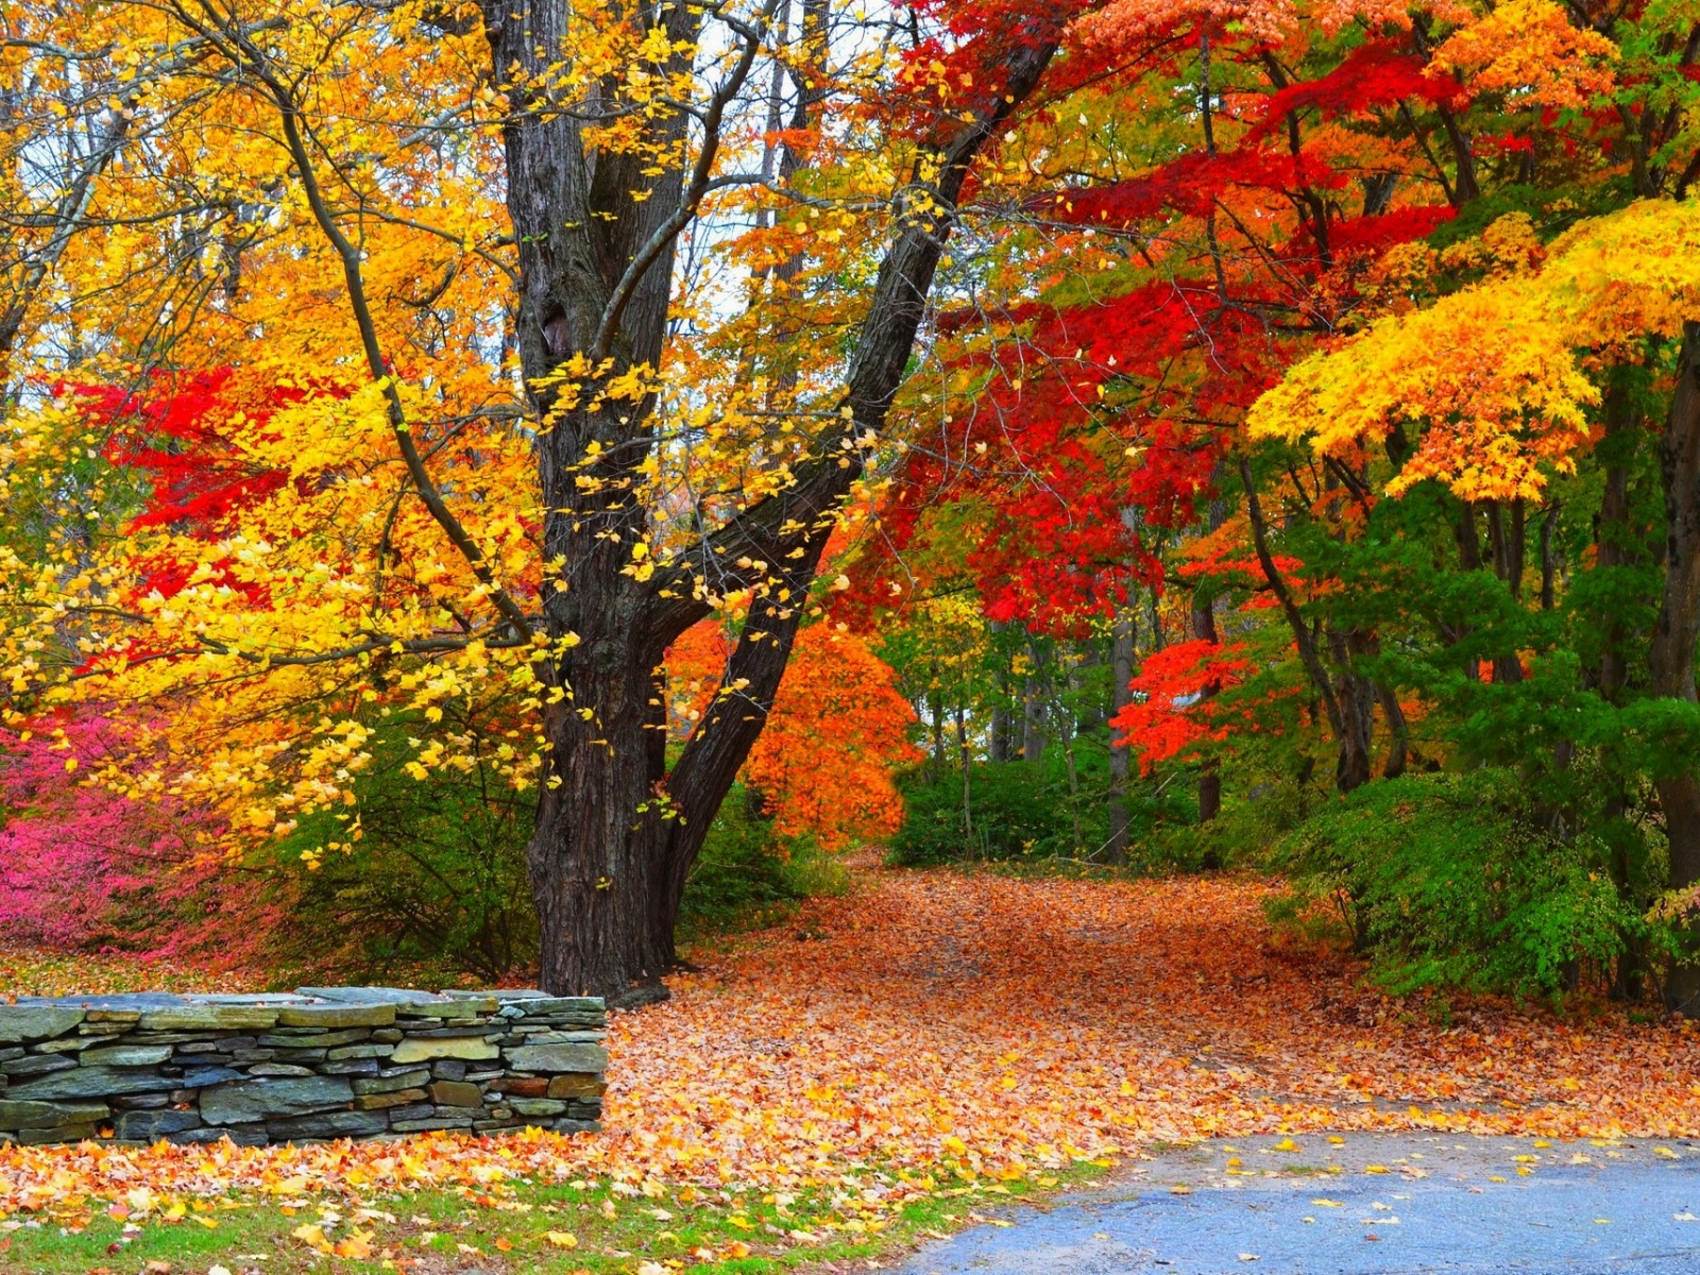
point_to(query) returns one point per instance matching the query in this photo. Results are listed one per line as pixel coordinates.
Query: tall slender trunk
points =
(1399, 732)
(1345, 696)
(1671, 654)
(1121, 673)
(1210, 777)
(1034, 705)
(935, 720)
(1071, 737)
(1001, 743)
(965, 759)
(1617, 544)
(1507, 529)
(1203, 618)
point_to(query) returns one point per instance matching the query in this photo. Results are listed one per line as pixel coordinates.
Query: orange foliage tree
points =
(837, 730)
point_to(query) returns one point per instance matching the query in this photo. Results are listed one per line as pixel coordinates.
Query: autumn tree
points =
(466, 244)
(1463, 513)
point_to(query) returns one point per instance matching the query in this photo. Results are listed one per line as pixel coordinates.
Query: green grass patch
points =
(554, 1228)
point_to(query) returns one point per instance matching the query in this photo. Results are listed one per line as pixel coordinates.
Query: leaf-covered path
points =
(1006, 1022)
(938, 1030)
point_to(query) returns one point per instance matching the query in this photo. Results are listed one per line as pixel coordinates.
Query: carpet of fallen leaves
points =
(31, 971)
(935, 1028)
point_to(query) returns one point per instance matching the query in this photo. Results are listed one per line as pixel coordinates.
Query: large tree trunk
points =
(604, 913)
(1354, 733)
(595, 233)
(1671, 655)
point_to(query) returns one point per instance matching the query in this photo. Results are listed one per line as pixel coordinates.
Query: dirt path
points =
(975, 1022)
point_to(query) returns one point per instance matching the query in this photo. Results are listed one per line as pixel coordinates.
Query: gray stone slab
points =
(337, 1014)
(125, 1055)
(412, 1078)
(252, 1135)
(371, 995)
(200, 1077)
(349, 1067)
(36, 1022)
(93, 1082)
(59, 1133)
(587, 1058)
(431, 1122)
(319, 1040)
(465, 1047)
(214, 1015)
(243, 1101)
(540, 1004)
(34, 1115)
(330, 1124)
(36, 1065)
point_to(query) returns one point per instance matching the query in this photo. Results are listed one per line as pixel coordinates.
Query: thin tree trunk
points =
(935, 719)
(1506, 534)
(1121, 673)
(1034, 706)
(967, 775)
(1210, 777)
(1399, 732)
(1549, 557)
(1344, 699)
(1618, 544)
(1204, 629)
(1002, 744)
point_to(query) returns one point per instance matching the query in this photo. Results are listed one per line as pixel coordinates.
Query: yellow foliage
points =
(1528, 50)
(1493, 376)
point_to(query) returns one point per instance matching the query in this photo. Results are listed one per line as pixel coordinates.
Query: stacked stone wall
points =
(330, 1062)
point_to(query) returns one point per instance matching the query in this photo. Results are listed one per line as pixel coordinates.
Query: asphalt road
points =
(1370, 1203)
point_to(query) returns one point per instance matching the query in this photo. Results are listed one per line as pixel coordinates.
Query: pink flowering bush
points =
(86, 868)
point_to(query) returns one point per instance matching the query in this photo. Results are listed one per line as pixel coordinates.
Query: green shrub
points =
(1026, 810)
(1449, 881)
(746, 877)
(435, 886)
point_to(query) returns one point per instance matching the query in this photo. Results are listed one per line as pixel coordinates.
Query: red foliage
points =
(1374, 74)
(1377, 233)
(1190, 185)
(1172, 709)
(185, 432)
